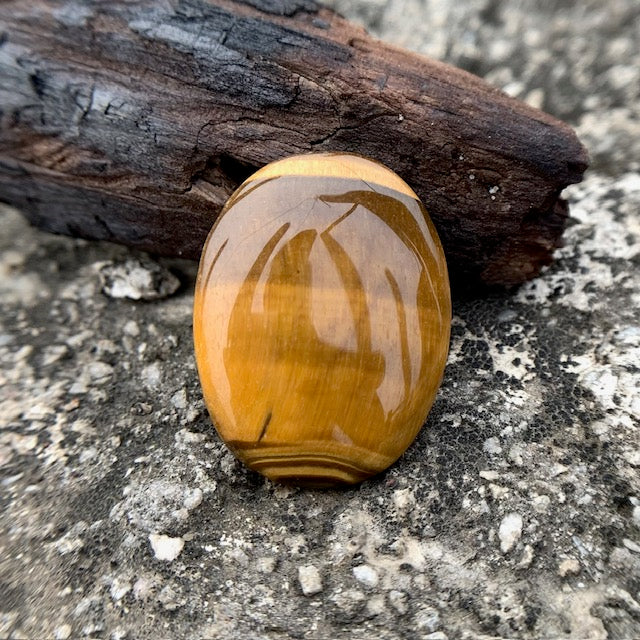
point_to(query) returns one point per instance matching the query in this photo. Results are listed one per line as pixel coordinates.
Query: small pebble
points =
(193, 499)
(403, 499)
(137, 279)
(63, 632)
(169, 599)
(427, 619)
(266, 564)
(152, 375)
(119, 589)
(510, 531)
(492, 446)
(131, 328)
(568, 567)
(166, 548)
(366, 575)
(142, 588)
(179, 399)
(527, 557)
(399, 601)
(310, 580)
(375, 606)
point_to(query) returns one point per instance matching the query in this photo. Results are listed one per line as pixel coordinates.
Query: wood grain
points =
(134, 121)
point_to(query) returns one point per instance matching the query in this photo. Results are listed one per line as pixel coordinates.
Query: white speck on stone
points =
(517, 362)
(620, 558)
(427, 619)
(63, 632)
(514, 88)
(22, 445)
(84, 605)
(510, 531)
(366, 574)
(403, 499)
(238, 556)
(99, 372)
(169, 599)
(310, 580)
(142, 588)
(399, 601)
(297, 545)
(119, 589)
(349, 600)
(88, 454)
(432, 550)
(184, 438)
(5, 455)
(228, 463)
(541, 503)
(266, 564)
(137, 280)
(527, 557)
(633, 457)
(53, 353)
(69, 543)
(569, 566)
(498, 491)
(152, 375)
(400, 117)
(92, 629)
(492, 446)
(131, 328)
(535, 98)
(584, 500)
(516, 454)
(489, 475)
(494, 189)
(558, 469)
(631, 545)
(179, 399)
(165, 547)
(375, 606)
(193, 499)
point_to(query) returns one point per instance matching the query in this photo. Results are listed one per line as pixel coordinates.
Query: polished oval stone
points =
(321, 319)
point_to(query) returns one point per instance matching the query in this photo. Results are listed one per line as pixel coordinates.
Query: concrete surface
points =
(515, 514)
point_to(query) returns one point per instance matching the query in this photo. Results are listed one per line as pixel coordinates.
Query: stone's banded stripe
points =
(311, 462)
(311, 468)
(321, 319)
(335, 165)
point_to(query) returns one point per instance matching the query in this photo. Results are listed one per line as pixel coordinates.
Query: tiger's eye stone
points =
(321, 319)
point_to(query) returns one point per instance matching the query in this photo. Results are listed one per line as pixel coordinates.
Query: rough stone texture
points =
(104, 440)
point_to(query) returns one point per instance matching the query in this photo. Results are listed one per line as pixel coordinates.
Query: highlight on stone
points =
(321, 319)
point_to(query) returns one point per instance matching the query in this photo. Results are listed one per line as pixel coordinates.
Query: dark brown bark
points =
(134, 120)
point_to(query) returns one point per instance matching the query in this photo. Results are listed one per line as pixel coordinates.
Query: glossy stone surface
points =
(321, 319)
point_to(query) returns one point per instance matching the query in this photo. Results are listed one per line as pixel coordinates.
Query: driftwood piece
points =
(134, 120)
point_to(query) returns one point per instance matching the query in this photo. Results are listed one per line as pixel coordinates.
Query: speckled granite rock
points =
(515, 514)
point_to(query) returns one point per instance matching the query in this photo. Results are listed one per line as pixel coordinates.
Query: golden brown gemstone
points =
(321, 319)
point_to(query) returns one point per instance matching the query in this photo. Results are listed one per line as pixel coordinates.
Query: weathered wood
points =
(134, 120)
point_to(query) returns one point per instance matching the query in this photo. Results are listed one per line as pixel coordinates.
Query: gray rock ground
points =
(515, 514)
